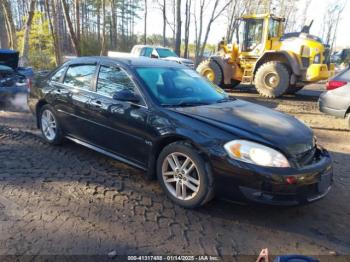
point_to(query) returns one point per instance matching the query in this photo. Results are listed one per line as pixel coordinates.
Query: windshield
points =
(163, 53)
(180, 87)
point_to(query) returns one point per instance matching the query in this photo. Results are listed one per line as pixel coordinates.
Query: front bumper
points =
(318, 72)
(240, 181)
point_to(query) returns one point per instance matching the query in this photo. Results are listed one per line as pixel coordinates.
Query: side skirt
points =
(102, 151)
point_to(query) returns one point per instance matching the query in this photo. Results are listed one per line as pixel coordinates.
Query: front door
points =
(121, 125)
(79, 81)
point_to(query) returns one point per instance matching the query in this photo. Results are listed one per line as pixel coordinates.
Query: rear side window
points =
(80, 76)
(111, 80)
(57, 77)
(146, 51)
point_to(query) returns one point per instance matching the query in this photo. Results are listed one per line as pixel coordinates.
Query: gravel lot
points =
(71, 200)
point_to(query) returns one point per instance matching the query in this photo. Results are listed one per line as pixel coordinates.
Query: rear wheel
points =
(348, 120)
(184, 176)
(49, 125)
(272, 79)
(211, 70)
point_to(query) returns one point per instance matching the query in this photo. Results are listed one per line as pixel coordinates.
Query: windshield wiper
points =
(184, 103)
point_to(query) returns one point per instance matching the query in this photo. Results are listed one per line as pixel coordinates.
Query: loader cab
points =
(259, 33)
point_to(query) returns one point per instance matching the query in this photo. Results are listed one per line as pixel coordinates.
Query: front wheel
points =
(184, 176)
(272, 79)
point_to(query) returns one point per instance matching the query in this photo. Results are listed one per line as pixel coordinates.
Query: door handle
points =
(97, 103)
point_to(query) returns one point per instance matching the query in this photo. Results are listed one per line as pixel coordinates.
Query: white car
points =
(163, 53)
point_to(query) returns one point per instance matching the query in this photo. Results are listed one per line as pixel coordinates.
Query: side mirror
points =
(154, 56)
(127, 96)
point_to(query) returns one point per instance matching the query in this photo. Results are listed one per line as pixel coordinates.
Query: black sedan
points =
(169, 121)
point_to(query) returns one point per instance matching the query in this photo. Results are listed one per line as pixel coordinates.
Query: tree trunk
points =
(178, 28)
(25, 47)
(145, 25)
(164, 23)
(114, 24)
(10, 26)
(103, 46)
(72, 34)
(77, 19)
(3, 31)
(52, 17)
(187, 26)
(98, 22)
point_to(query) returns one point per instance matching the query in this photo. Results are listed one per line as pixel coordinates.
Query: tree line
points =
(45, 30)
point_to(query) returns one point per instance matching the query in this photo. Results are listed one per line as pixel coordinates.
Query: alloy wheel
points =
(180, 176)
(48, 125)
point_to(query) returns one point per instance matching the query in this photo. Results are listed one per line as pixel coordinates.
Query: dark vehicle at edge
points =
(336, 100)
(13, 79)
(166, 119)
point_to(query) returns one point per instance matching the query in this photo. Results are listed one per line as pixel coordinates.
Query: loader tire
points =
(211, 70)
(272, 80)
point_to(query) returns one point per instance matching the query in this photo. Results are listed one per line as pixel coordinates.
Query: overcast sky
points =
(316, 12)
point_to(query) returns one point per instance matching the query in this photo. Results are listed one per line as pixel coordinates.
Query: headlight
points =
(255, 153)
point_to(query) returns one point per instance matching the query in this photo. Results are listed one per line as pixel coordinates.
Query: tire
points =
(200, 190)
(348, 120)
(292, 89)
(272, 80)
(56, 135)
(211, 70)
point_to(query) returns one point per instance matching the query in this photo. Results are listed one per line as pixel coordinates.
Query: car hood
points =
(9, 58)
(254, 122)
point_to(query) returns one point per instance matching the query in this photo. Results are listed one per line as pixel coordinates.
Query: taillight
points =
(333, 84)
(29, 83)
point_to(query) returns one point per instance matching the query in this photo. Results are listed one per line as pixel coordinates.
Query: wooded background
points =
(46, 30)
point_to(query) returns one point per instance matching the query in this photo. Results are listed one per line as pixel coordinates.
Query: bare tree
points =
(145, 23)
(178, 28)
(216, 12)
(187, 26)
(9, 23)
(77, 18)
(103, 46)
(52, 17)
(75, 42)
(25, 46)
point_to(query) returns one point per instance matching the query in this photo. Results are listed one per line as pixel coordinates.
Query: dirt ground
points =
(71, 200)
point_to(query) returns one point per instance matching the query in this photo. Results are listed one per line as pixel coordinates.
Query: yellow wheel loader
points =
(276, 63)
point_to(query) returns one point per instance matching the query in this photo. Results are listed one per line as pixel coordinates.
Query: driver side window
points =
(111, 80)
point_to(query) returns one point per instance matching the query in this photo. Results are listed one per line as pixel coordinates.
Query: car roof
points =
(152, 46)
(126, 61)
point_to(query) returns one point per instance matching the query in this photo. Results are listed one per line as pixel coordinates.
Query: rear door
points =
(121, 125)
